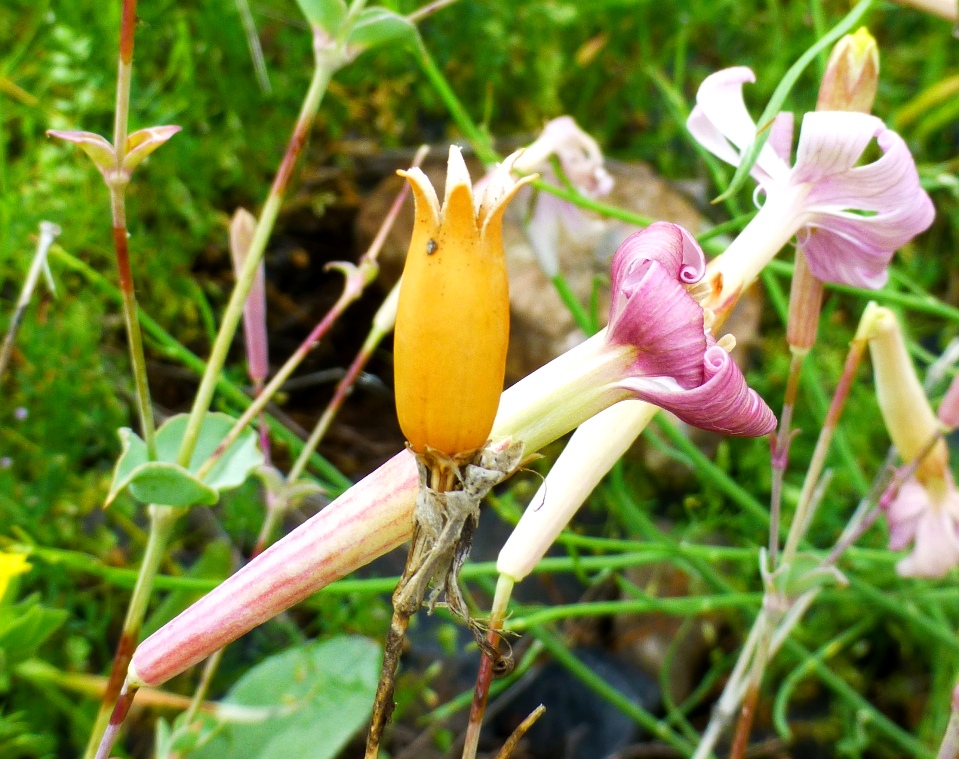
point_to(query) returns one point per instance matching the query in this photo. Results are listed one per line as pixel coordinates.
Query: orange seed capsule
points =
(452, 322)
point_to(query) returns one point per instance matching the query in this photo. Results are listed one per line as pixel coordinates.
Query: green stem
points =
(162, 521)
(928, 304)
(569, 299)
(259, 403)
(264, 227)
(134, 335)
(594, 682)
(168, 345)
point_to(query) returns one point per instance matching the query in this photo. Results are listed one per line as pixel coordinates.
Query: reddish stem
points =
(123, 260)
(745, 724)
(121, 660)
(127, 28)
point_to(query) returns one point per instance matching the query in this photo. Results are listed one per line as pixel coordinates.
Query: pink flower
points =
(926, 516)
(656, 347)
(668, 359)
(849, 219)
(925, 511)
(582, 162)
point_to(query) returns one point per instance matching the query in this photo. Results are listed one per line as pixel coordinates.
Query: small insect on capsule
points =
(431, 247)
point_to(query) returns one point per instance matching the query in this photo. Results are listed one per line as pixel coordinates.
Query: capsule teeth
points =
(456, 173)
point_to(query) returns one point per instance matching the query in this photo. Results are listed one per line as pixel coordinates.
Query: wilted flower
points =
(654, 325)
(925, 512)
(849, 219)
(582, 163)
(452, 323)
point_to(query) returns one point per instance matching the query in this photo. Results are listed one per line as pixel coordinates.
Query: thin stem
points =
(343, 388)
(264, 227)
(383, 323)
(780, 458)
(725, 708)
(804, 510)
(430, 8)
(504, 589)
(162, 521)
(209, 669)
(566, 294)
(134, 336)
(349, 294)
(48, 233)
(169, 346)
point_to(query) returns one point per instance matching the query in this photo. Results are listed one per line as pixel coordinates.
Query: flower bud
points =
(452, 322)
(905, 408)
(852, 74)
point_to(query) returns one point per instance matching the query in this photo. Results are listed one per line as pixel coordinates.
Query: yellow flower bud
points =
(905, 408)
(452, 322)
(852, 74)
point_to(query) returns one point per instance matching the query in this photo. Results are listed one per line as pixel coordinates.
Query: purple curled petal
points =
(668, 244)
(666, 326)
(722, 403)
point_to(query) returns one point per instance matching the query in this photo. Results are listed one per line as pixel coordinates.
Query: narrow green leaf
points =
(782, 92)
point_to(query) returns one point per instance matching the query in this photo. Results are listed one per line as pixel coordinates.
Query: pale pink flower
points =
(925, 511)
(656, 347)
(582, 162)
(849, 219)
(926, 517)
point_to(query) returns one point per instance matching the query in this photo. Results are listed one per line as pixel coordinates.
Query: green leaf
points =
(326, 14)
(167, 483)
(315, 698)
(378, 26)
(25, 626)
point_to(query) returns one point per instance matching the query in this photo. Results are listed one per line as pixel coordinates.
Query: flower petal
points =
(904, 513)
(723, 403)
(720, 118)
(651, 308)
(781, 136)
(837, 255)
(936, 550)
(831, 142)
(100, 151)
(669, 244)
